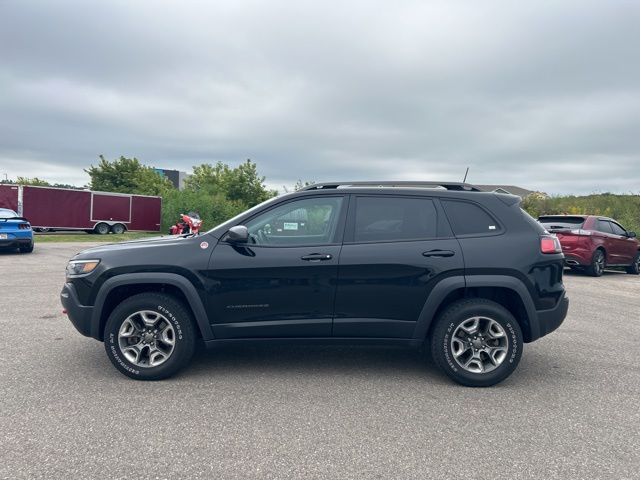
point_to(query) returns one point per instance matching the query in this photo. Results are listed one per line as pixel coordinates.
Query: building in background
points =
(175, 176)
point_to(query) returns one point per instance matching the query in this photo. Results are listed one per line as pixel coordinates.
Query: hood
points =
(146, 243)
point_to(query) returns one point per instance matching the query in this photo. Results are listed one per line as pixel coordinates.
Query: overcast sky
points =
(540, 94)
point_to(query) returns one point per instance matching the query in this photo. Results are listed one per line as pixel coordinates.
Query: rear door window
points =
(604, 226)
(467, 218)
(386, 219)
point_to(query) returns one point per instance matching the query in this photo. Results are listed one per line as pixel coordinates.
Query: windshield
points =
(6, 213)
(561, 222)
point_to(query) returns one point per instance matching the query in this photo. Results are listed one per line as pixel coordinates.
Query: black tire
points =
(461, 312)
(101, 229)
(176, 314)
(26, 248)
(634, 268)
(118, 229)
(598, 264)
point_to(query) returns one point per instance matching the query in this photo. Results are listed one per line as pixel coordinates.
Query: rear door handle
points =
(439, 253)
(317, 257)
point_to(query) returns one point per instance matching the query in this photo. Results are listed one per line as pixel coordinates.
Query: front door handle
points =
(317, 257)
(439, 253)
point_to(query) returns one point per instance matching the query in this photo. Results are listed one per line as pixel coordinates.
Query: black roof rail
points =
(402, 183)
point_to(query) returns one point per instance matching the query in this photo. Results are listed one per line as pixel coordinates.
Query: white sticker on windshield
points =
(492, 227)
(290, 226)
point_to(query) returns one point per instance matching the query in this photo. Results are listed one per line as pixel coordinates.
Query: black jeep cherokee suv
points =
(405, 263)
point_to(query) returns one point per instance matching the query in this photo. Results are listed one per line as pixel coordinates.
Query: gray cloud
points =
(542, 94)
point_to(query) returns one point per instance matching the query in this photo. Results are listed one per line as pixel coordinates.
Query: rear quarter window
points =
(467, 218)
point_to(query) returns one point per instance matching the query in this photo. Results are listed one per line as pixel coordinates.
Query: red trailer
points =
(49, 208)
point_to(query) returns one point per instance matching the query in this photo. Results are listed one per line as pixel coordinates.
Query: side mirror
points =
(631, 234)
(238, 234)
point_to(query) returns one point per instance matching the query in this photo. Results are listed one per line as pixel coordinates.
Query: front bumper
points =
(550, 320)
(80, 315)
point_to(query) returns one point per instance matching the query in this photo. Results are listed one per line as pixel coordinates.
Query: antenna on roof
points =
(464, 180)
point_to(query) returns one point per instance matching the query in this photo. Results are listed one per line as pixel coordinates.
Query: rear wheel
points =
(118, 229)
(26, 248)
(634, 268)
(150, 336)
(476, 342)
(101, 229)
(598, 263)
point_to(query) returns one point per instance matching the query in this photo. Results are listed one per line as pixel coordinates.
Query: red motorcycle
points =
(188, 223)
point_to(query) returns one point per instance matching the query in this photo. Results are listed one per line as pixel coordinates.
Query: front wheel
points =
(150, 336)
(477, 342)
(634, 268)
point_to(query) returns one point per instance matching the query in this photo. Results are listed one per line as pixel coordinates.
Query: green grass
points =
(85, 237)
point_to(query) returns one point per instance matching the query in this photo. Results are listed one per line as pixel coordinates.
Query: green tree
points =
(213, 209)
(623, 208)
(241, 184)
(35, 181)
(127, 175)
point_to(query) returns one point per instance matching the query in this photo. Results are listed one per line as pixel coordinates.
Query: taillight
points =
(550, 244)
(24, 226)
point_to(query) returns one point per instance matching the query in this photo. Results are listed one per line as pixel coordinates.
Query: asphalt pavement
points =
(570, 410)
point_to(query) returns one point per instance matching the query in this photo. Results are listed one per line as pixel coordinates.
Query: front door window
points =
(306, 222)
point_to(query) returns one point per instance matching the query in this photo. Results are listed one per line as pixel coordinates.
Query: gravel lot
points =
(569, 411)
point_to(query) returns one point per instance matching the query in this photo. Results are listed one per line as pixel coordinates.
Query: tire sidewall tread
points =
(453, 316)
(181, 321)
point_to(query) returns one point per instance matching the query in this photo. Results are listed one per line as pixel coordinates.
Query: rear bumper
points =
(578, 258)
(80, 315)
(16, 241)
(550, 320)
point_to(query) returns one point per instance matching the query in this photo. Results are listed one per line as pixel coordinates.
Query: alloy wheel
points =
(146, 338)
(479, 345)
(599, 262)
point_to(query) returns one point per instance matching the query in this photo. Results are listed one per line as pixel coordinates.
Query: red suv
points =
(592, 243)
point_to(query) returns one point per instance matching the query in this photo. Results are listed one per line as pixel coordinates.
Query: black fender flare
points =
(437, 295)
(178, 281)
(449, 284)
(516, 285)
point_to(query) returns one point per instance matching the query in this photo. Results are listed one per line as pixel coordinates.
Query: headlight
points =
(79, 268)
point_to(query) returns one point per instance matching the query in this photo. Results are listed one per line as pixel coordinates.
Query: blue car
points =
(15, 231)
